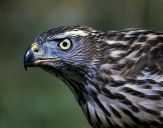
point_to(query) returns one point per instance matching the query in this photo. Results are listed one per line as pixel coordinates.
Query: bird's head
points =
(71, 48)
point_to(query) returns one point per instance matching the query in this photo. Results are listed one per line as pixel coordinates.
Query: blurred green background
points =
(35, 99)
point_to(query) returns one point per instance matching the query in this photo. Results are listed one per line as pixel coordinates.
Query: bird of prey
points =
(116, 76)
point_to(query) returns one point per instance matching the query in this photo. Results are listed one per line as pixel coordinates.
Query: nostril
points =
(35, 48)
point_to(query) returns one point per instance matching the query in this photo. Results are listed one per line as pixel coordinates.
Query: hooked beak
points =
(28, 59)
(34, 57)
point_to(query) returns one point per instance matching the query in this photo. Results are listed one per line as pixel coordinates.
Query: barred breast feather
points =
(127, 90)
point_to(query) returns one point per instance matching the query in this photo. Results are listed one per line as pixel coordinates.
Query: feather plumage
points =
(116, 76)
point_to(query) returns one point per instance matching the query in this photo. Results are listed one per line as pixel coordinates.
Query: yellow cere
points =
(34, 47)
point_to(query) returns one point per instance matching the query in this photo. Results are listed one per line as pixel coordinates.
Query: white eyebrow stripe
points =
(72, 33)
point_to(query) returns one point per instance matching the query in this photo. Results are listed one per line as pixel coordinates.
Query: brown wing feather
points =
(133, 50)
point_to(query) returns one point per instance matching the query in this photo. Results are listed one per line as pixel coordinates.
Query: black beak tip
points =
(28, 59)
(25, 68)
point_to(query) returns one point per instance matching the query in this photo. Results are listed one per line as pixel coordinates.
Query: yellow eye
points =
(65, 44)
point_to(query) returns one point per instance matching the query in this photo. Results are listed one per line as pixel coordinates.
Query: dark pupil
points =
(64, 44)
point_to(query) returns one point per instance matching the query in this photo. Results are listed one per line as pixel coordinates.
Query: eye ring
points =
(65, 44)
